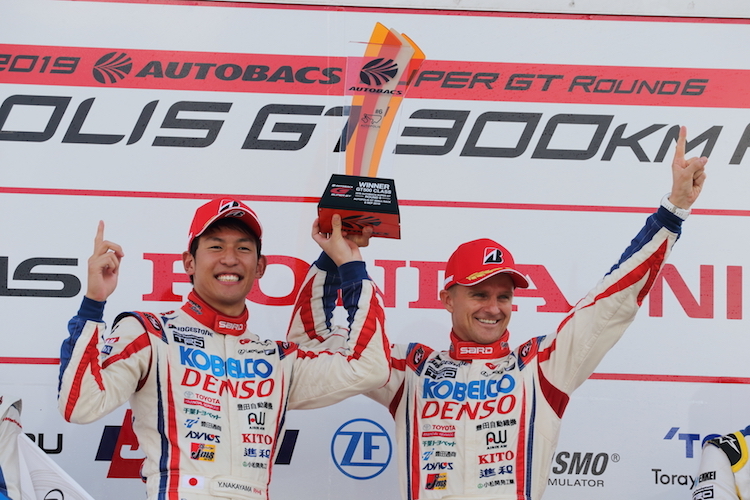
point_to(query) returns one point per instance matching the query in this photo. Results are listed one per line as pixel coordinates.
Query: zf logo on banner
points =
(361, 449)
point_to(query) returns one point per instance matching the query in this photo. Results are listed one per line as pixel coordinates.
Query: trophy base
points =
(361, 202)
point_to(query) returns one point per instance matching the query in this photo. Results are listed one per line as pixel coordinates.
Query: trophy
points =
(376, 83)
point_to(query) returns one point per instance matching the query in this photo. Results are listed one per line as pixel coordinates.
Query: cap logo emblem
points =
(493, 256)
(226, 205)
(235, 213)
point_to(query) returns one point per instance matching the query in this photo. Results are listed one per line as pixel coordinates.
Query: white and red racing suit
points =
(724, 473)
(208, 397)
(482, 422)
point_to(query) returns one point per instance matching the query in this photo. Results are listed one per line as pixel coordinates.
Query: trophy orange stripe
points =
(392, 103)
(354, 160)
(378, 37)
(414, 63)
(364, 143)
(374, 143)
(388, 44)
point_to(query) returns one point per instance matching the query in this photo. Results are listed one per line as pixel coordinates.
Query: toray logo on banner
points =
(692, 442)
(361, 449)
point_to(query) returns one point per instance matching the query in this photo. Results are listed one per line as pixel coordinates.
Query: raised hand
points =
(687, 175)
(340, 246)
(104, 265)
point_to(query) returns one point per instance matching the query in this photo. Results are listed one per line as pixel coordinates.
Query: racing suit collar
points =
(206, 315)
(464, 350)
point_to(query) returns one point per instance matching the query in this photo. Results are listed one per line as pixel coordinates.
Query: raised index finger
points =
(99, 234)
(679, 151)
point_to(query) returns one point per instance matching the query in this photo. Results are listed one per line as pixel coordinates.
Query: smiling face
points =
(224, 267)
(480, 313)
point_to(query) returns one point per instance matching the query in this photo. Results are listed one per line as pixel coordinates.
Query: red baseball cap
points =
(475, 261)
(218, 209)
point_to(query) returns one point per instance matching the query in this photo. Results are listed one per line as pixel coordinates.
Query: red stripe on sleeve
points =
(650, 265)
(556, 398)
(521, 464)
(304, 308)
(90, 357)
(414, 462)
(140, 343)
(173, 483)
(396, 400)
(375, 317)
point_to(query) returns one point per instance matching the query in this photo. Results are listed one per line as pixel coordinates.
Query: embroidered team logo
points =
(232, 205)
(154, 321)
(437, 481)
(418, 356)
(525, 349)
(200, 451)
(442, 372)
(493, 255)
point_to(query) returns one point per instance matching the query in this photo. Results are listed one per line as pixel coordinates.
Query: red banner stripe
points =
(29, 361)
(320, 75)
(405, 203)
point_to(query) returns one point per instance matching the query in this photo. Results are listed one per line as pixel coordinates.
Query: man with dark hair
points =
(208, 397)
(481, 421)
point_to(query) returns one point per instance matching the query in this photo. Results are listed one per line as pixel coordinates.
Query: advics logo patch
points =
(378, 71)
(361, 449)
(112, 67)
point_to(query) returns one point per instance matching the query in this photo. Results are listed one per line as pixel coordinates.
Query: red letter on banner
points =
(164, 277)
(734, 292)
(389, 280)
(546, 288)
(299, 269)
(428, 285)
(693, 308)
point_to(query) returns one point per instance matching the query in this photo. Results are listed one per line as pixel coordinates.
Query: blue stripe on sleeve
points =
(661, 218)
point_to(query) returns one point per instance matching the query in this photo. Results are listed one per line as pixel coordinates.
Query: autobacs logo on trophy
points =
(376, 73)
(377, 83)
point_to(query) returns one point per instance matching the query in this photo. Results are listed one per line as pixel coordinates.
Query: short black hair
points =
(227, 223)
